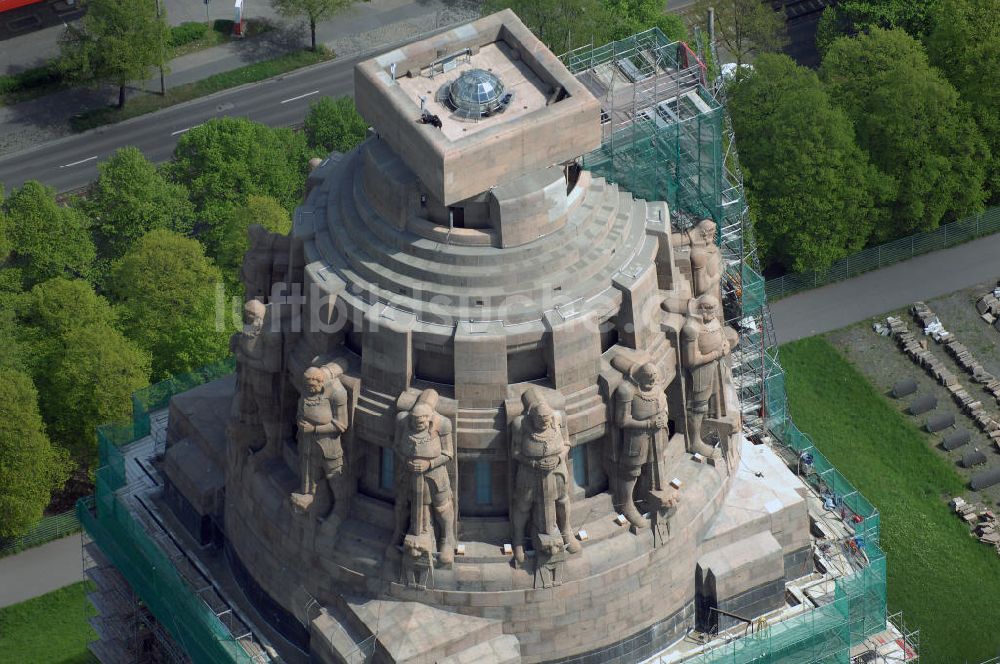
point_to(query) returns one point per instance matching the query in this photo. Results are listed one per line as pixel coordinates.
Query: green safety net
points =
(149, 572)
(682, 163)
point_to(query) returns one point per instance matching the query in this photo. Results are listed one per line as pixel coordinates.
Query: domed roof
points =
(476, 93)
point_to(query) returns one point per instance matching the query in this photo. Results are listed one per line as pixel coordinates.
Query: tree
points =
(49, 240)
(30, 467)
(116, 42)
(909, 120)
(130, 198)
(165, 289)
(226, 160)
(262, 210)
(814, 196)
(851, 17)
(312, 10)
(566, 24)
(334, 125)
(52, 311)
(92, 384)
(561, 24)
(965, 45)
(745, 27)
(627, 17)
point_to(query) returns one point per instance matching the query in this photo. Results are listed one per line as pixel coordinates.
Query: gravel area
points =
(883, 362)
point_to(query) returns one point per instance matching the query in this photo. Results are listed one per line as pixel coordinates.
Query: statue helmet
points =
(646, 373)
(422, 409)
(254, 308)
(709, 300)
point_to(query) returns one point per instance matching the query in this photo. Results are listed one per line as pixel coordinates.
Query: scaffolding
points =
(666, 136)
(150, 589)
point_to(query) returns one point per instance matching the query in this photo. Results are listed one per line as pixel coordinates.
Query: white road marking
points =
(308, 94)
(77, 163)
(181, 131)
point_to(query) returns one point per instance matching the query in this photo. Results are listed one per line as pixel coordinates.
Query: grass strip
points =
(230, 79)
(945, 582)
(49, 628)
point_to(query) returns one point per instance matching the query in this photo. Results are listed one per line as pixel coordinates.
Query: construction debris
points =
(982, 522)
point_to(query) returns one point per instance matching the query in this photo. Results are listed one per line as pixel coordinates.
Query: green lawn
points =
(51, 629)
(946, 583)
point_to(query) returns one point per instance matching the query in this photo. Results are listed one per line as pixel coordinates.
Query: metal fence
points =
(48, 529)
(882, 255)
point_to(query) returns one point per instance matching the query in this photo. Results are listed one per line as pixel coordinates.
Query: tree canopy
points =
(965, 45)
(262, 210)
(166, 290)
(225, 160)
(334, 125)
(83, 367)
(311, 10)
(813, 194)
(130, 198)
(116, 42)
(745, 28)
(91, 384)
(850, 17)
(910, 121)
(30, 467)
(566, 24)
(48, 240)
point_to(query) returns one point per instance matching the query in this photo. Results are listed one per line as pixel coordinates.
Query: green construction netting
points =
(149, 572)
(682, 164)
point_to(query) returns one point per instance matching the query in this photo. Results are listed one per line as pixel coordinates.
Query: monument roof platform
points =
(536, 112)
(529, 92)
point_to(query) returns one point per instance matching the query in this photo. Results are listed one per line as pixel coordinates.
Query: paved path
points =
(40, 570)
(873, 293)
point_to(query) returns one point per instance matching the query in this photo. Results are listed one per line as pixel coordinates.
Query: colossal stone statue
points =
(424, 446)
(705, 257)
(641, 415)
(704, 343)
(255, 406)
(539, 443)
(321, 420)
(257, 272)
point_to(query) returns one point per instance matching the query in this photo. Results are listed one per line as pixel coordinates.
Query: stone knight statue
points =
(322, 421)
(706, 259)
(704, 343)
(258, 379)
(539, 444)
(641, 415)
(424, 447)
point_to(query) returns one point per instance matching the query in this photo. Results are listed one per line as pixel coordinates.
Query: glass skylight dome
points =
(477, 93)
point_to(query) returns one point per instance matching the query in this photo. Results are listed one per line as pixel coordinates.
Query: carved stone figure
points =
(706, 259)
(641, 415)
(424, 446)
(258, 379)
(258, 264)
(704, 343)
(539, 447)
(550, 559)
(321, 420)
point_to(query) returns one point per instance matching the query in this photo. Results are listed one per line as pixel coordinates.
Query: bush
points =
(185, 33)
(30, 78)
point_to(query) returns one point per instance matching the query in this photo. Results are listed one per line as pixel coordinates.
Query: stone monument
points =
(512, 383)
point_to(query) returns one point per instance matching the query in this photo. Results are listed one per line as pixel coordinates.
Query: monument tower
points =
(484, 406)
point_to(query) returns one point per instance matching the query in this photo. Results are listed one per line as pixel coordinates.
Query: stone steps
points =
(390, 268)
(480, 428)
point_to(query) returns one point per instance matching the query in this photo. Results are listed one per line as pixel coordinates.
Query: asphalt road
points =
(71, 162)
(873, 293)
